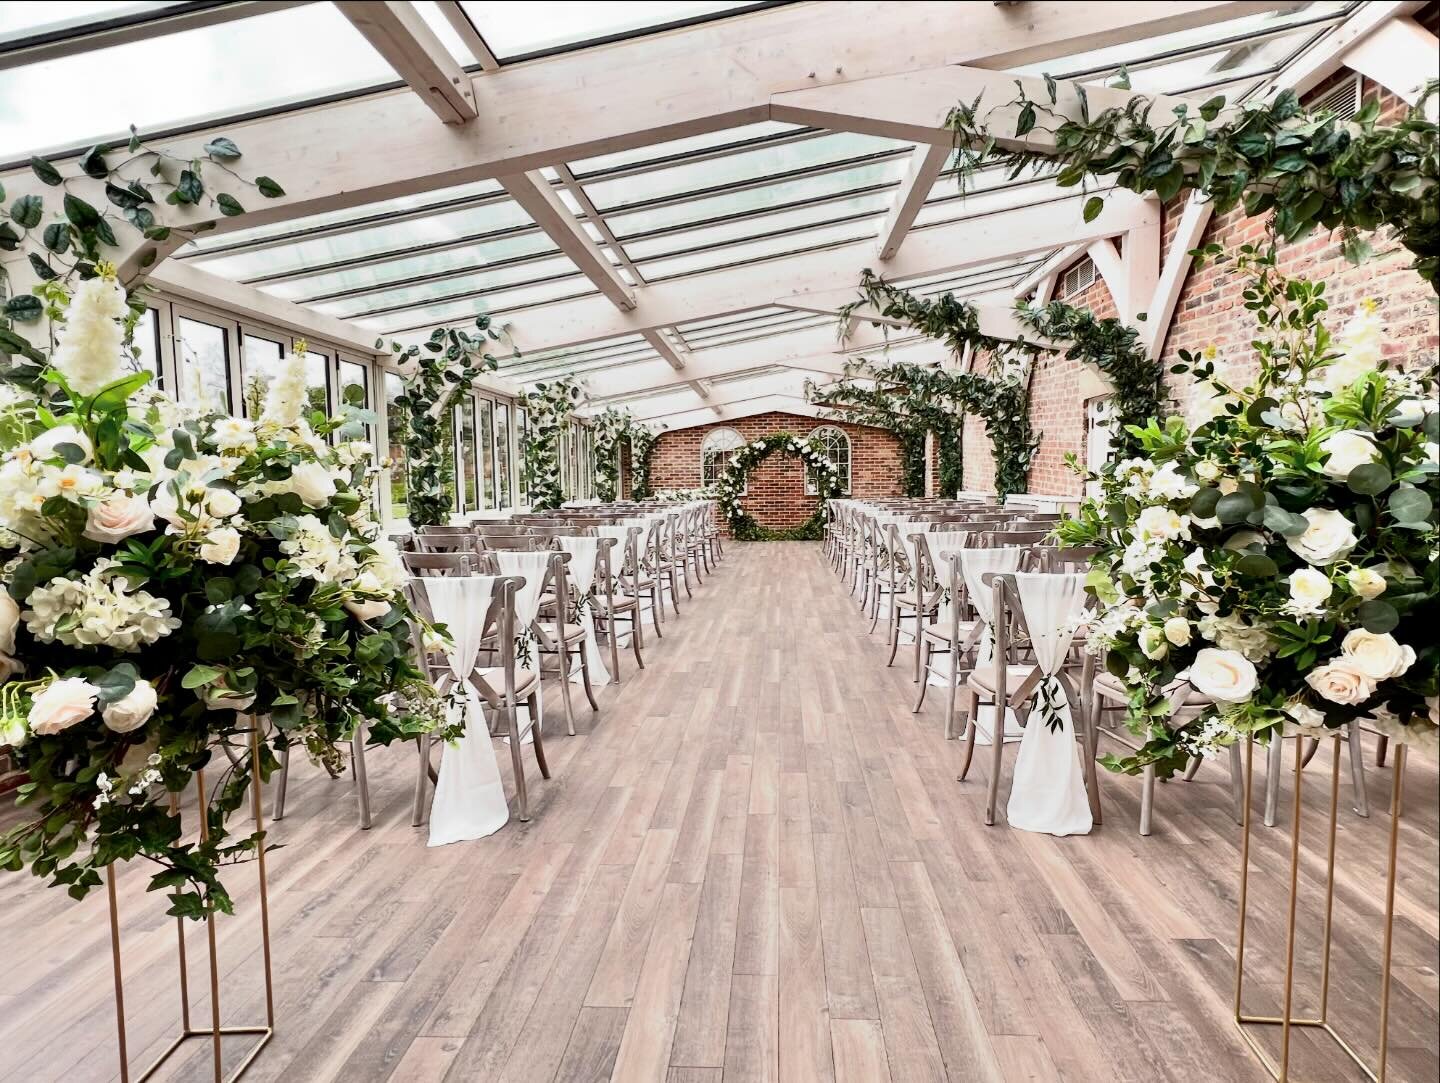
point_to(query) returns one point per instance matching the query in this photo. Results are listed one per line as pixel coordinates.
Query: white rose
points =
(1347, 450)
(1160, 523)
(9, 621)
(1340, 374)
(233, 434)
(44, 446)
(1309, 590)
(1380, 657)
(220, 546)
(1341, 681)
(117, 518)
(363, 609)
(1366, 582)
(1206, 470)
(63, 703)
(12, 732)
(1227, 676)
(219, 698)
(1430, 452)
(1411, 412)
(222, 503)
(1327, 538)
(133, 710)
(1177, 631)
(1305, 715)
(313, 484)
(1152, 642)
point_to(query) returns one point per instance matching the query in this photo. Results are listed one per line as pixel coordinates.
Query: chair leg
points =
(674, 591)
(1192, 767)
(522, 800)
(282, 785)
(997, 761)
(585, 678)
(565, 692)
(612, 626)
(657, 607)
(875, 613)
(923, 668)
(1382, 746)
(1275, 764)
(636, 624)
(422, 778)
(1237, 784)
(952, 687)
(362, 781)
(1147, 799)
(968, 751)
(537, 736)
(1357, 769)
(894, 639)
(919, 674)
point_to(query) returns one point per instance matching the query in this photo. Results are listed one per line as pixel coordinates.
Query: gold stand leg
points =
(215, 1032)
(1286, 1020)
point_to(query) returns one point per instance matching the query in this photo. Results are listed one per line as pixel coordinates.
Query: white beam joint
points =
(400, 34)
(540, 201)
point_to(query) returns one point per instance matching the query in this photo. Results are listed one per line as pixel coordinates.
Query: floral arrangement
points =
(550, 406)
(685, 496)
(1277, 548)
(436, 373)
(731, 486)
(173, 580)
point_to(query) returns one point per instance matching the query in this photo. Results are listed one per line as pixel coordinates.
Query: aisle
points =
(754, 862)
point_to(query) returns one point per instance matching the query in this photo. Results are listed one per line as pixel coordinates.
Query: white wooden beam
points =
(1400, 55)
(926, 164)
(729, 404)
(400, 34)
(675, 357)
(994, 320)
(1141, 257)
(950, 247)
(1106, 258)
(1193, 220)
(540, 201)
(1050, 270)
(1327, 56)
(460, 22)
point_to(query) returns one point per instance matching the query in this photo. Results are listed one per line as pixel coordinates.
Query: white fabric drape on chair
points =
(1047, 790)
(621, 535)
(532, 568)
(938, 543)
(469, 798)
(976, 564)
(583, 554)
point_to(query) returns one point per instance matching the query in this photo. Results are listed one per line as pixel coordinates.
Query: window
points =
(522, 437)
(465, 425)
(259, 361)
(1099, 438)
(837, 450)
(486, 442)
(502, 455)
(715, 454)
(146, 344)
(396, 425)
(317, 381)
(204, 364)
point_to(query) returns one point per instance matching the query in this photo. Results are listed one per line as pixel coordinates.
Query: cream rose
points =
(1177, 631)
(9, 621)
(1379, 656)
(1305, 716)
(1366, 582)
(220, 546)
(12, 732)
(63, 703)
(133, 710)
(1309, 591)
(222, 503)
(365, 609)
(1160, 523)
(313, 484)
(1341, 681)
(1327, 538)
(46, 444)
(1347, 450)
(1227, 676)
(1152, 642)
(117, 518)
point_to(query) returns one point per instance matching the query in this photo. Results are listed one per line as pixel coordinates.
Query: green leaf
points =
(222, 149)
(229, 205)
(116, 684)
(92, 163)
(189, 189)
(27, 211)
(56, 237)
(24, 306)
(1410, 505)
(47, 173)
(1257, 566)
(1026, 121)
(1369, 479)
(1093, 206)
(81, 214)
(1233, 507)
(268, 188)
(1210, 109)
(1378, 616)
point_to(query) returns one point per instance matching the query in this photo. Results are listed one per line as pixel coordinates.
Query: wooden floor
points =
(753, 863)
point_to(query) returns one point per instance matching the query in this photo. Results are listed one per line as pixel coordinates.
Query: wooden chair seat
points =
(622, 603)
(982, 679)
(493, 681)
(940, 633)
(573, 632)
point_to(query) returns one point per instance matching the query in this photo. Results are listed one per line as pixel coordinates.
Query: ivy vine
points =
(436, 373)
(888, 402)
(609, 427)
(1310, 169)
(731, 487)
(550, 406)
(642, 449)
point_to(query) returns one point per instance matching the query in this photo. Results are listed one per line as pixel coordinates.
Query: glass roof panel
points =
(61, 18)
(761, 198)
(764, 248)
(372, 242)
(460, 311)
(454, 44)
(424, 293)
(444, 265)
(742, 167)
(518, 30)
(262, 62)
(676, 147)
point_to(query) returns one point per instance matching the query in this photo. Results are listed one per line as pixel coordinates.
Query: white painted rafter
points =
(400, 34)
(926, 165)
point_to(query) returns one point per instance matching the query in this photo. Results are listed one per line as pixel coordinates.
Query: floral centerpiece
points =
(172, 580)
(1277, 548)
(731, 486)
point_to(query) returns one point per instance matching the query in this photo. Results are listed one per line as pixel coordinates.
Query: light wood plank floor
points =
(754, 863)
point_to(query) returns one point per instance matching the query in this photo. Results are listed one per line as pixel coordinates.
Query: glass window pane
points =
(513, 30)
(465, 422)
(259, 361)
(204, 364)
(451, 287)
(657, 151)
(522, 423)
(396, 424)
(504, 301)
(54, 17)
(765, 248)
(146, 344)
(257, 63)
(486, 443)
(447, 460)
(502, 454)
(317, 381)
(354, 374)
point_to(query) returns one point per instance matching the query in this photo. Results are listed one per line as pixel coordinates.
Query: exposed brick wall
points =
(777, 496)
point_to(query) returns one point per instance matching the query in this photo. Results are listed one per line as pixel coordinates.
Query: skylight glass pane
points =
(56, 17)
(430, 12)
(367, 243)
(512, 30)
(399, 205)
(671, 148)
(764, 197)
(444, 265)
(460, 311)
(262, 62)
(764, 248)
(737, 168)
(488, 279)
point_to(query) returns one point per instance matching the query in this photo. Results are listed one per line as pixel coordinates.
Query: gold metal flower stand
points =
(215, 1032)
(1287, 1020)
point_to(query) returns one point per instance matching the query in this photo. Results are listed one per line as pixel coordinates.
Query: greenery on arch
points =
(550, 406)
(642, 447)
(613, 428)
(732, 486)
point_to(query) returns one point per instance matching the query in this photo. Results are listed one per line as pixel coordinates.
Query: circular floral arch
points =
(731, 486)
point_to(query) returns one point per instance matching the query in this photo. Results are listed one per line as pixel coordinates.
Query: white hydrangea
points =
(98, 609)
(1233, 633)
(318, 553)
(90, 344)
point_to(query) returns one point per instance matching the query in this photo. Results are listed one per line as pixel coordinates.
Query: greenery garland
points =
(885, 401)
(550, 406)
(731, 487)
(642, 447)
(1311, 169)
(610, 427)
(436, 373)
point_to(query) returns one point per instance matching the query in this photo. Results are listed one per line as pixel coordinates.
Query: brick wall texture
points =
(777, 496)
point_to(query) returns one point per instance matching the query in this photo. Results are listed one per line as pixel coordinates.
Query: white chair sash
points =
(975, 565)
(469, 798)
(1047, 791)
(584, 552)
(531, 567)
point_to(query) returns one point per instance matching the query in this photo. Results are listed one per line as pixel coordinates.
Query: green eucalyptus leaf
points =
(1369, 479)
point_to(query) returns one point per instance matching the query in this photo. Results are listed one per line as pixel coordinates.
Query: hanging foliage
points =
(642, 447)
(610, 427)
(436, 373)
(1310, 169)
(1112, 347)
(550, 407)
(731, 487)
(883, 404)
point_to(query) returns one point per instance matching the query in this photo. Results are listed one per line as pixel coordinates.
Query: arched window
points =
(715, 452)
(837, 450)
